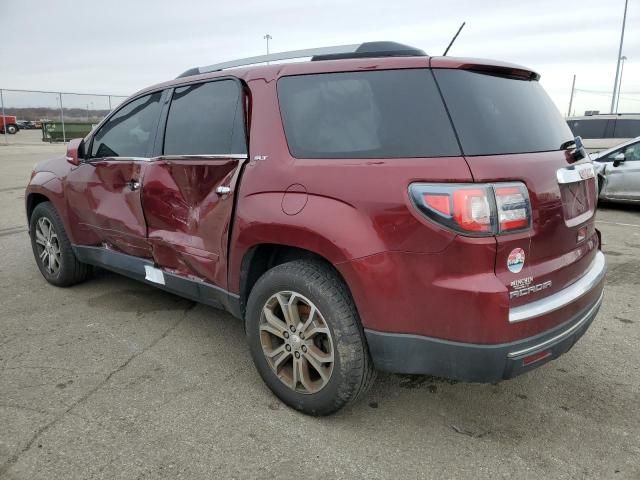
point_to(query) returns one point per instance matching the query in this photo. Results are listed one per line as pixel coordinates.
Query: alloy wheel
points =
(296, 342)
(48, 246)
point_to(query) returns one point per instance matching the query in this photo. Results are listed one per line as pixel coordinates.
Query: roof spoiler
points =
(502, 71)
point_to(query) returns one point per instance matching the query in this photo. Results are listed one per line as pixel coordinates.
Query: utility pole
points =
(620, 83)
(573, 89)
(268, 37)
(4, 125)
(64, 134)
(615, 83)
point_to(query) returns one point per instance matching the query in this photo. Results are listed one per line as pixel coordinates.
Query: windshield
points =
(498, 115)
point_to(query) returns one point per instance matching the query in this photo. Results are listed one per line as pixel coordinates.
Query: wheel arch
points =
(260, 258)
(33, 200)
(47, 187)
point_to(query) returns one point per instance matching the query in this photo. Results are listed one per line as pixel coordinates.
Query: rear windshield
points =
(498, 115)
(381, 114)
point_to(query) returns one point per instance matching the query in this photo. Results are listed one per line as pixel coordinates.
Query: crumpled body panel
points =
(187, 221)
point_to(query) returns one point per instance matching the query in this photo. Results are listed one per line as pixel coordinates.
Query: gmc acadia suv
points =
(373, 208)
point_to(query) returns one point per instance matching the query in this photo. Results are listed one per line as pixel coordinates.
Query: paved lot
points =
(23, 137)
(113, 379)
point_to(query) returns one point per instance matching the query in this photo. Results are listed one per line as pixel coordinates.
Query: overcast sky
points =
(121, 46)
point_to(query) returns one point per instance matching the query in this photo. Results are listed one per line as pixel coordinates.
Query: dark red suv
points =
(373, 208)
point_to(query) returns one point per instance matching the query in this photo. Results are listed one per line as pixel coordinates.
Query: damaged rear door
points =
(188, 192)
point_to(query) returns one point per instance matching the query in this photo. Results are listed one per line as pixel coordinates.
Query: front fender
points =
(48, 185)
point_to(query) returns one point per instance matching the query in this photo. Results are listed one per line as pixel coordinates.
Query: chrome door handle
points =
(133, 185)
(223, 190)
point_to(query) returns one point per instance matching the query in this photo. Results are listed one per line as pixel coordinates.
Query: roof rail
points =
(364, 50)
(272, 57)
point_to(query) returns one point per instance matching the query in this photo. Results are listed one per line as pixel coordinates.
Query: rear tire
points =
(52, 249)
(314, 357)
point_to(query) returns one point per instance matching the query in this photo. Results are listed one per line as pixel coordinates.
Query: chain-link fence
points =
(34, 116)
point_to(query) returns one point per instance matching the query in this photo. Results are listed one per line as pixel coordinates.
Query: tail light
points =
(475, 209)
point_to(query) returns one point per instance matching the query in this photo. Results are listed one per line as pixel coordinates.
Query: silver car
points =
(618, 170)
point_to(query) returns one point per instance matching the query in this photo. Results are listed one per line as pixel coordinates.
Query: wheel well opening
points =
(262, 258)
(34, 200)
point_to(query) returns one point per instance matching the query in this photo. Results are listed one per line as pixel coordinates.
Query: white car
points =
(618, 170)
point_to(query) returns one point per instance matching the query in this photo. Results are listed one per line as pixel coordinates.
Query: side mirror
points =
(75, 151)
(618, 159)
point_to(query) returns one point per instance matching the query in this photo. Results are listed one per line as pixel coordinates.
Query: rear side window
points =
(499, 115)
(382, 114)
(130, 132)
(206, 118)
(589, 128)
(627, 128)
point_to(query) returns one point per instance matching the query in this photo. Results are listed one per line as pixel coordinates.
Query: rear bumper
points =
(585, 285)
(415, 354)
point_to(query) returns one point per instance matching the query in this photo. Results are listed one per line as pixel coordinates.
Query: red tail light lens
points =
(440, 203)
(474, 209)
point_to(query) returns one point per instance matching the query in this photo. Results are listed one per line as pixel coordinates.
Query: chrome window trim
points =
(575, 174)
(561, 336)
(236, 156)
(118, 159)
(564, 297)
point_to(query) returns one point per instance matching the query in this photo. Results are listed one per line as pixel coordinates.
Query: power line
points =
(604, 92)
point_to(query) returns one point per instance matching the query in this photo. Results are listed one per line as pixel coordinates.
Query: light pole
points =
(573, 89)
(268, 37)
(620, 83)
(615, 83)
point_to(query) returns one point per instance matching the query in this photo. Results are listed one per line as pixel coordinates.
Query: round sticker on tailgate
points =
(515, 261)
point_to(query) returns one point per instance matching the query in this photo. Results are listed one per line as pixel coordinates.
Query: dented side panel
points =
(104, 205)
(188, 222)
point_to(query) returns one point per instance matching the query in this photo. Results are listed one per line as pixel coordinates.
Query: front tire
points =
(52, 248)
(305, 338)
(12, 129)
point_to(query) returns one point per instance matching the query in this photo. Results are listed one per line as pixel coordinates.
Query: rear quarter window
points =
(381, 114)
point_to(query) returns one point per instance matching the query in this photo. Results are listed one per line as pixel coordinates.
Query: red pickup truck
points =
(10, 123)
(373, 208)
